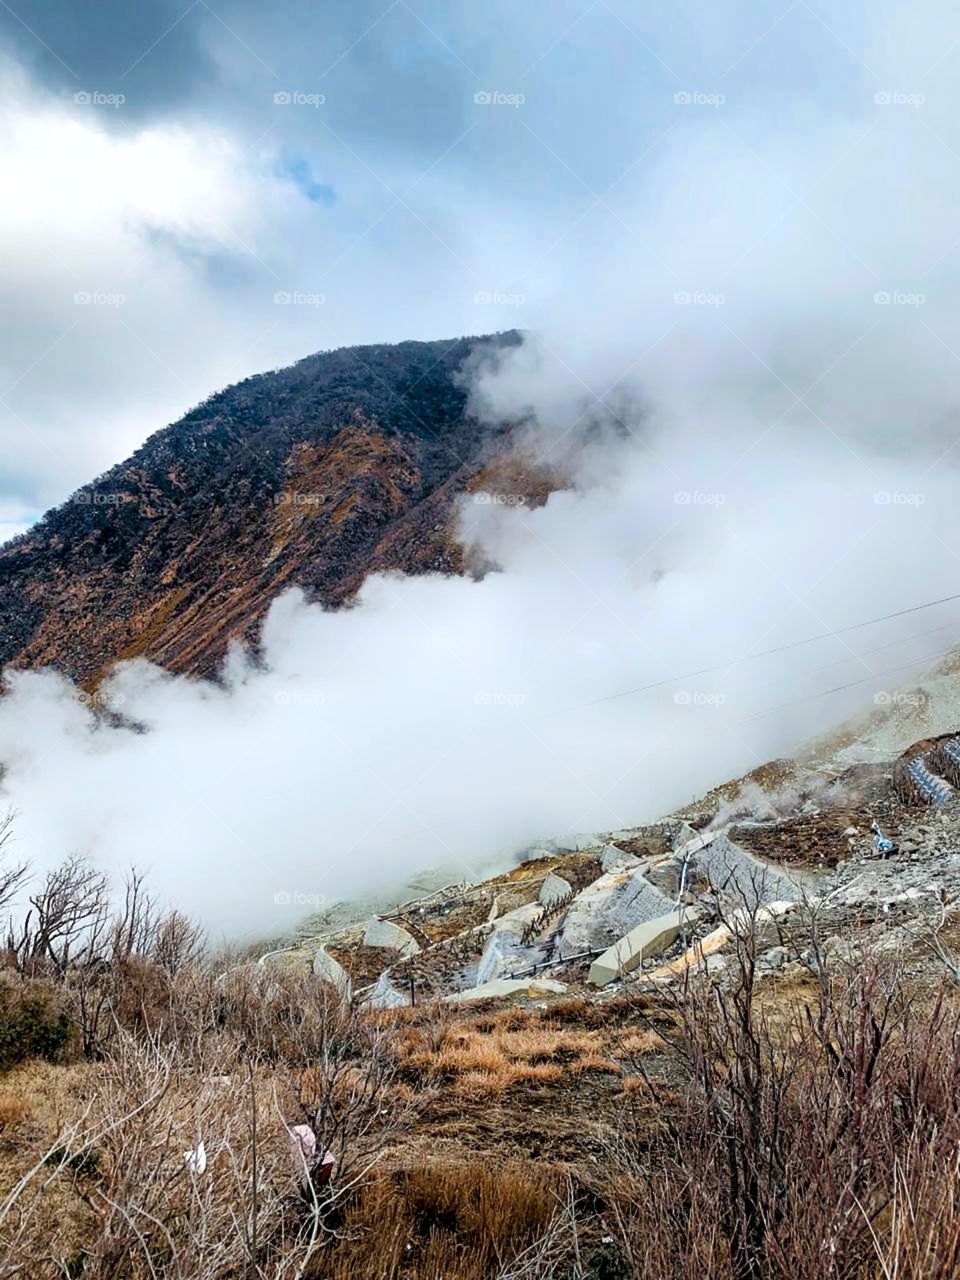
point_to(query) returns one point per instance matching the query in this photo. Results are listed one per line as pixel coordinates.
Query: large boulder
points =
(384, 933)
(499, 988)
(329, 970)
(553, 889)
(683, 835)
(668, 874)
(609, 908)
(614, 859)
(505, 950)
(730, 870)
(576, 843)
(647, 939)
(385, 995)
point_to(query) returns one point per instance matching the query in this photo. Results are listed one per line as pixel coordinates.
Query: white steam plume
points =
(776, 337)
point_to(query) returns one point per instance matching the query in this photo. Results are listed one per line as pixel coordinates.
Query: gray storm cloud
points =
(748, 360)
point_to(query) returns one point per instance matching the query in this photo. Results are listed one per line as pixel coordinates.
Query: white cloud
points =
(787, 470)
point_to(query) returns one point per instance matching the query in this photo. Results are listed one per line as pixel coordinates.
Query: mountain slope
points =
(347, 462)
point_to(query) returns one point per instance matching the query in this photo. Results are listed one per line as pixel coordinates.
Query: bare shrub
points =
(12, 874)
(807, 1130)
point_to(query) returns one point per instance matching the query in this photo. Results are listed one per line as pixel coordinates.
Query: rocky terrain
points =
(874, 847)
(621, 1058)
(348, 462)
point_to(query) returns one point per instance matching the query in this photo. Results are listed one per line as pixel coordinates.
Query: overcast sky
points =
(170, 168)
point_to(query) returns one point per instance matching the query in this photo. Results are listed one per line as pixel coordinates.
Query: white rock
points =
(384, 933)
(612, 858)
(534, 852)
(553, 888)
(609, 908)
(576, 843)
(683, 835)
(647, 939)
(504, 950)
(325, 967)
(501, 987)
(385, 995)
(733, 871)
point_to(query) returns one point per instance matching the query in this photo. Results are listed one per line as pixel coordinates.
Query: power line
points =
(765, 653)
(891, 644)
(757, 715)
(783, 706)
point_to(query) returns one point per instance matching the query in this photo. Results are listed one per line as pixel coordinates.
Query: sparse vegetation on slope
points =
(802, 1125)
(347, 462)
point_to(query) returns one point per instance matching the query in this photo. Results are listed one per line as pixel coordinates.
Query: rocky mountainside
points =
(347, 462)
(872, 855)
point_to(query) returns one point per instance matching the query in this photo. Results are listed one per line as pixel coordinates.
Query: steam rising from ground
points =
(762, 452)
(442, 721)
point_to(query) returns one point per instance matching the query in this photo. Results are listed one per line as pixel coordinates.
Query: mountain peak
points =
(346, 462)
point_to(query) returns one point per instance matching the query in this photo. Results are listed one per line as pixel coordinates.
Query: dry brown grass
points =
(486, 1054)
(13, 1110)
(540, 1072)
(461, 1221)
(596, 1062)
(633, 1085)
(639, 1043)
(45, 1098)
(464, 1185)
(471, 1057)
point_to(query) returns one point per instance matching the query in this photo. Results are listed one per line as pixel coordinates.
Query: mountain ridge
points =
(347, 462)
